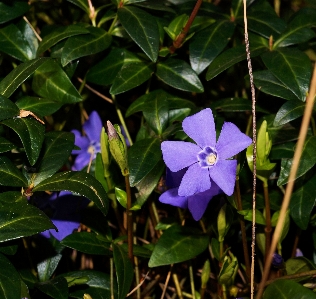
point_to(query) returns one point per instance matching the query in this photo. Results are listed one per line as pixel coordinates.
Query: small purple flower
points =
(196, 203)
(277, 260)
(207, 159)
(65, 208)
(90, 144)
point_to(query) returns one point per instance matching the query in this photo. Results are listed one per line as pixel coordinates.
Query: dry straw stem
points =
(289, 188)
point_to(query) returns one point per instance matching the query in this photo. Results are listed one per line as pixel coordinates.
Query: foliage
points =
(139, 64)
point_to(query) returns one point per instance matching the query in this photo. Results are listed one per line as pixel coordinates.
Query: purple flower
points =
(207, 159)
(277, 260)
(196, 203)
(65, 208)
(90, 144)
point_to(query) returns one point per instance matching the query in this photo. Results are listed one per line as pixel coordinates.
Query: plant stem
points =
(268, 228)
(111, 278)
(177, 43)
(129, 214)
(192, 280)
(243, 229)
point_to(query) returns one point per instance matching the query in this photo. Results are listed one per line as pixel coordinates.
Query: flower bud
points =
(118, 147)
(228, 271)
(105, 151)
(205, 273)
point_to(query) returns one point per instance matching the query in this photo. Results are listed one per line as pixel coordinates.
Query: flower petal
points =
(231, 141)
(224, 175)
(81, 141)
(171, 197)
(195, 180)
(179, 154)
(93, 126)
(65, 228)
(81, 161)
(198, 202)
(201, 128)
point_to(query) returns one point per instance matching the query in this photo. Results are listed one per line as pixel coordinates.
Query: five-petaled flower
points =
(207, 160)
(90, 144)
(196, 203)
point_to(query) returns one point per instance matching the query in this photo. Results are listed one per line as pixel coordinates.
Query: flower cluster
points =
(208, 167)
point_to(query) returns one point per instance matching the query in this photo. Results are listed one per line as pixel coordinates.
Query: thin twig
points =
(36, 34)
(289, 188)
(254, 141)
(129, 214)
(166, 282)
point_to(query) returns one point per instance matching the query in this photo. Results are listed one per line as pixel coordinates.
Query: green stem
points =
(112, 25)
(268, 228)
(192, 280)
(129, 214)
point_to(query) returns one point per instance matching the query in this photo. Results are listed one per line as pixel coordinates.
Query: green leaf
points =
(8, 109)
(130, 76)
(39, 106)
(302, 203)
(307, 161)
(304, 17)
(58, 35)
(248, 216)
(10, 175)
(176, 25)
(142, 28)
(178, 244)
(56, 288)
(78, 182)
(13, 43)
(121, 196)
(12, 10)
(294, 36)
(298, 265)
(51, 82)
(31, 133)
(56, 149)
(141, 165)
(5, 145)
(104, 72)
(124, 271)
(11, 82)
(84, 45)
(89, 243)
(10, 281)
(235, 105)
(287, 289)
(266, 82)
(83, 4)
(208, 43)
(289, 111)
(292, 67)
(29, 35)
(20, 219)
(178, 74)
(285, 150)
(46, 268)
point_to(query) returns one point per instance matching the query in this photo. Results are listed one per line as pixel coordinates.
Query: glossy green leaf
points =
(302, 203)
(294, 36)
(248, 216)
(178, 74)
(13, 43)
(121, 196)
(51, 82)
(84, 45)
(8, 109)
(29, 36)
(46, 268)
(10, 175)
(208, 43)
(84, 5)
(20, 219)
(124, 271)
(78, 182)
(57, 147)
(176, 25)
(298, 265)
(10, 281)
(141, 165)
(39, 106)
(232, 56)
(289, 111)
(287, 289)
(235, 105)
(307, 161)
(142, 28)
(292, 67)
(31, 133)
(304, 17)
(11, 82)
(266, 82)
(56, 288)
(130, 76)
(5, 145)
(178, 244)
(104, 72)
(285, 150)
(12, 9)
(89, 243)
(59, 34)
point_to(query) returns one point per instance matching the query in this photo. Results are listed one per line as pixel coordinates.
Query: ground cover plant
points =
(132, 148)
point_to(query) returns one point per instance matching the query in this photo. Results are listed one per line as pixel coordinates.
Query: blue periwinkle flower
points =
(89, 144)
(208, 161)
